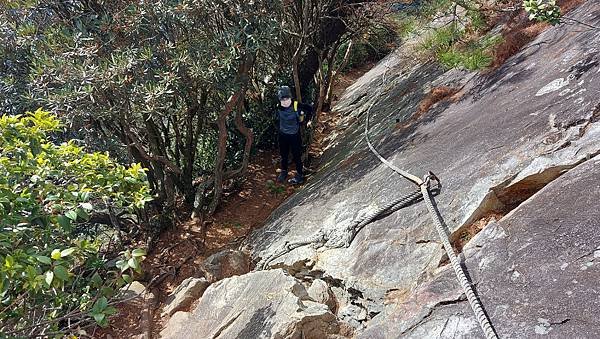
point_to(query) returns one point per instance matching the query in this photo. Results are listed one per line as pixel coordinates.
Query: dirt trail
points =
(180, 250)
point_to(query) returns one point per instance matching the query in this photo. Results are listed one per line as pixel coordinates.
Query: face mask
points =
(286, 102)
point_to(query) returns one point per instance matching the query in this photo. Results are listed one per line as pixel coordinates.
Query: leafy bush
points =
(274, 188)
(404, 24)
(443, 38)
(371, 47)
(152, 79)
(53, 277)
(449, 49)
(543, 10)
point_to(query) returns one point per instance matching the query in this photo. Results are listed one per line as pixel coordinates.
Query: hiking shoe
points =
(297, 180)
(281, 177)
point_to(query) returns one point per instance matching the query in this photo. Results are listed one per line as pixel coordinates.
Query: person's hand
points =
(309, 124)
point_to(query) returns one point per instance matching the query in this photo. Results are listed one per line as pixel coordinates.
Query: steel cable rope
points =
(329, 239)
(466, 285)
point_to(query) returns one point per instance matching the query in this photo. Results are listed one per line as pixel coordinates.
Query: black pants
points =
(291, 142)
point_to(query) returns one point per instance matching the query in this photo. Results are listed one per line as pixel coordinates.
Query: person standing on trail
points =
(291, 115)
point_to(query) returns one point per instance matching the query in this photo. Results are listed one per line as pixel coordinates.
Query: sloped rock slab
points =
(537, 113)
(265, 304)
(536, 270)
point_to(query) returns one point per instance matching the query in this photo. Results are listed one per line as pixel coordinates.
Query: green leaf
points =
(110, 310)
(9, 262)
(101, 303)
(85, 196)
(106, 290)
(87, 206)
(49, 277)
(67, 252)
(61, 273)
(138, 252)
(99, 317)
(55, 254)
(133, 263)
(96, 280)
(82, 214)
(43, 259)
(71, 215)
(127, 278)
(65, 223)
(122, 265)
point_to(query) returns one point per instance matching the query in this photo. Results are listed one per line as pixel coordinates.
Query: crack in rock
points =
(431, 310)
(342, 234)
(512, 192)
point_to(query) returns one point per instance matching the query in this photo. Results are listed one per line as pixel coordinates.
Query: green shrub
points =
(450, 58)
(404, 24)
(371, 47)
(543, 10)
(50, 271)
(476, 59)
(442, 39)
(446, 45)
(274, 188)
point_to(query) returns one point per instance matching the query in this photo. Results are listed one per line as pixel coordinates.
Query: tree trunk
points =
(232, 103)
(248, 133)
(334, 74)
(189, 154)
(322, 79)
(295, 64)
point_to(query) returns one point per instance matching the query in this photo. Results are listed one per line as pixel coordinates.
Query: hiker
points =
(291, 115)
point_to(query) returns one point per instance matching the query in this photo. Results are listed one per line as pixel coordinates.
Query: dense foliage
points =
(543, 10)
(53, 265)
(183, 87)
(154, 78)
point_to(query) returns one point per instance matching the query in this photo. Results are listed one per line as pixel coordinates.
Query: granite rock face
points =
(265, 304)
(536, 272)
(502, 137)
(520, 143)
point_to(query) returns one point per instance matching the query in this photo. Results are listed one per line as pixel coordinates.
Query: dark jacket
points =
(289, 120)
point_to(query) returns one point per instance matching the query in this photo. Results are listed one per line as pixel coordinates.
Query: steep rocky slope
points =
(519, 144)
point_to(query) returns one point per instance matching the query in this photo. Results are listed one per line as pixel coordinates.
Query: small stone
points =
(515, 276)
(319, 291)
(189, 290)
(543, 321)
(540, 329)
(225, 264)
(134, 289)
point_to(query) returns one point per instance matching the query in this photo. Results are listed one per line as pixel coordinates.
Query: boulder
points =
(131, 290)
(225, 264)
(265, 304)
(189, 290)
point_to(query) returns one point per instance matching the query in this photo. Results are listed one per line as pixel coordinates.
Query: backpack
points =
(302, 118)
